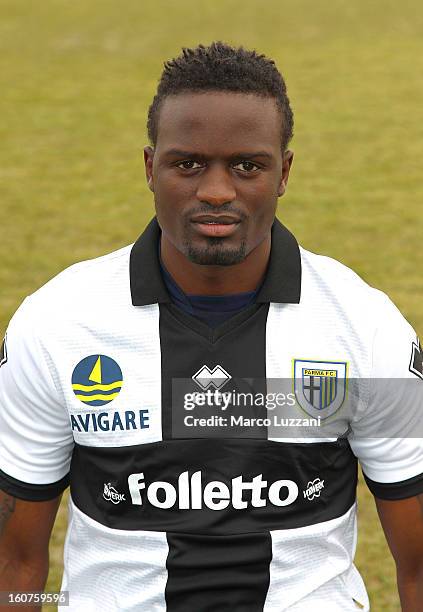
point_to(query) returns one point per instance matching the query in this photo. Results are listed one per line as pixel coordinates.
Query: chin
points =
(216, 254)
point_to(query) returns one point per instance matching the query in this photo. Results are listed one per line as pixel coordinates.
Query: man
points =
(164, 517)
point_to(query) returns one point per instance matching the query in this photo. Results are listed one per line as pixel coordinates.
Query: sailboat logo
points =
(97, 380)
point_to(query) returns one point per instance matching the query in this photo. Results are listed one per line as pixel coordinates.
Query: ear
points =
(148, 161)
(288, 156)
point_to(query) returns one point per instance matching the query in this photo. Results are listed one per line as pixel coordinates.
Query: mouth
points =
(219, 226)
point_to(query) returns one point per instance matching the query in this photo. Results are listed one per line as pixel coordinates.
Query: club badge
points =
(320, 386)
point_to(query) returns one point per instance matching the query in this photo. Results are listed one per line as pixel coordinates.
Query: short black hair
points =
(220, 67)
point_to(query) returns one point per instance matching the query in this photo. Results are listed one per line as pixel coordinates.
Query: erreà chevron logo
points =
(416, 361)
(206, 378)
(97, 380)
(3, 352)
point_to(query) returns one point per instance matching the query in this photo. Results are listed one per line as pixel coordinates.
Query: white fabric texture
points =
(109, 569)
(324, 554)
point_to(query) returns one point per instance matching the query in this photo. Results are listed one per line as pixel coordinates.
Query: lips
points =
(218, 226)
(216, 219)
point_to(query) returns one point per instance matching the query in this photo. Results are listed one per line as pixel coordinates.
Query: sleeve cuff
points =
(396, 490)
(32, 492)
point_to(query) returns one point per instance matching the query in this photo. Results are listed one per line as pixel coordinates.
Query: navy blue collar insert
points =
(282, 283)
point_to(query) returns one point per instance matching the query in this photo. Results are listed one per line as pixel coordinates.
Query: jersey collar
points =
(281, 285)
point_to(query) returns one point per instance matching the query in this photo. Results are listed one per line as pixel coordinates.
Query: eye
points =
(189, 164)
(246, 166)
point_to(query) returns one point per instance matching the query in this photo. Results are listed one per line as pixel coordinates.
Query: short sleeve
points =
(36, 440)
(388, 437)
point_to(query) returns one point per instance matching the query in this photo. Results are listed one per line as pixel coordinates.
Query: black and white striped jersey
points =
(170, 513)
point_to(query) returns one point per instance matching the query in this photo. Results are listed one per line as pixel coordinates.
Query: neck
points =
(195, 279)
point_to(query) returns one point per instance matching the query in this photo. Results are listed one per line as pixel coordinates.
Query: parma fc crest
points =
(320, 386)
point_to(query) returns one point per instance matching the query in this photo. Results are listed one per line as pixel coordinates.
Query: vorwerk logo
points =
(314, 488)
(110, 494)
(206, 378)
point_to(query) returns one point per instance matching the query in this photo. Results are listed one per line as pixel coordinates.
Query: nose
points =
(216, 187)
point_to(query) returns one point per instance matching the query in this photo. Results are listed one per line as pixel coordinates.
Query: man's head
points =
(219, 125)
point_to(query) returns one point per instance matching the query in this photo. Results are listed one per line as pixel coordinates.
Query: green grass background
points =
(76, 78)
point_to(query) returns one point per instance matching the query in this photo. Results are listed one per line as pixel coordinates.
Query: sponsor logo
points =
(3, 352)
(314, 489)
(320, 386)
(416, 361)
(206, 378)
(110, 494)
(191, 493)
(110, 421)
(97, 380)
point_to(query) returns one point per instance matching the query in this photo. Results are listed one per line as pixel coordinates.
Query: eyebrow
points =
(239, 155)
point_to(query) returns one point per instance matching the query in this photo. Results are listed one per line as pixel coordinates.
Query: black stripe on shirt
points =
(32, 492)
(188, 466)
(218, 574)
(396, 490)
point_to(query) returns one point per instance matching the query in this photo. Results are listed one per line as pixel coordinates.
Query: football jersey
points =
(179, 500)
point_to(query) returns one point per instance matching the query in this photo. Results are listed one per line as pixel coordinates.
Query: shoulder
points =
(97, 278)
(87, 286)
(332, 281)
(84, 273)
(367, 314)
(331, 273)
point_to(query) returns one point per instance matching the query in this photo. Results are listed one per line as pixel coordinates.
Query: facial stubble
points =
(215, 253)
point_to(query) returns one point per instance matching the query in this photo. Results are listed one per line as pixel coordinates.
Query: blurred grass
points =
(76, 80)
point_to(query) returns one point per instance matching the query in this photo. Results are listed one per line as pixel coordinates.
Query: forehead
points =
(219, 120)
